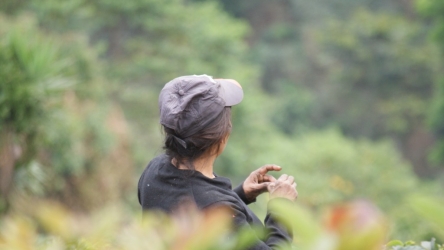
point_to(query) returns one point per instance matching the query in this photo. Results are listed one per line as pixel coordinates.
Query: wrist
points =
(249, 197)
(240, 191)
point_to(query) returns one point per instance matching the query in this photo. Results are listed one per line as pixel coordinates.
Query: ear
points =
(225, 140)
(220, 148)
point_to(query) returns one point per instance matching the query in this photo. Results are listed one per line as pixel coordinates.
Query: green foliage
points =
(146, 43)
(31, 73)
(163, 38)
(434, 10)
(430, 209)
(294, 111)
(384, 57)
(411, 245)
(330, 168)
(60, 126)
(51, 226)
(32, 83)
(347, 226)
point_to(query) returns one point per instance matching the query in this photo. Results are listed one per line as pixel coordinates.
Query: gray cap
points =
(189, 103)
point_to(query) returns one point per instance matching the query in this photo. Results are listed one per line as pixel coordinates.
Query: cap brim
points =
(231, 91)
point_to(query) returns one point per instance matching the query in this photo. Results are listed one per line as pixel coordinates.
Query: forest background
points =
(347, 96)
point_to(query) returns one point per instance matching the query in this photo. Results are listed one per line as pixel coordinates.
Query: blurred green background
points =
(347, 96)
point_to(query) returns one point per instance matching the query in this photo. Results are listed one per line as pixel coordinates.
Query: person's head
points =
(195, 112)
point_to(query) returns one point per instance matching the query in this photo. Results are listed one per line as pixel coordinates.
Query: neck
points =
(204, 165)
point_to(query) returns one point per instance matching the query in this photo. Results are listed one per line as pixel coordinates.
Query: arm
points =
(275, 234)
(274, 227)
(239, 190)
(257, 183)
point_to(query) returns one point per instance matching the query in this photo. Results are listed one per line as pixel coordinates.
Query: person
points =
(195, 112)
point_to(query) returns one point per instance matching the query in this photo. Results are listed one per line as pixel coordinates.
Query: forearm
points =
(275, 235)
(239, 190)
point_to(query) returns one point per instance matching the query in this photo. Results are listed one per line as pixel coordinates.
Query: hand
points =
(257, 182)
(284, 187)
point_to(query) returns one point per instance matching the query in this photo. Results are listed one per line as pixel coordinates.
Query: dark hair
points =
(202, 142)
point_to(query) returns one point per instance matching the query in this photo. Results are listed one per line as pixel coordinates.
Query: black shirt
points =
(163, 186)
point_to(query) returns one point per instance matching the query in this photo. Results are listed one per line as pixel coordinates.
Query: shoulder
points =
(214, 192)
(162, 186)
(158, 163)
(159, 160)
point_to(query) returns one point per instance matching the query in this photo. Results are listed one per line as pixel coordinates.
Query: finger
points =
(294, 185)
(270, 167)
(263, 187)
(290, 179)
(260, 178)
(273, 185)
(269, 178)
(283, 177)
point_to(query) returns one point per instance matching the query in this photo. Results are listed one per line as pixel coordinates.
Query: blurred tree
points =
(382, 73)
(435, 11)
(145, 39)
(381, 65)
(369, 74)
(278, 31)
(319, 8)
(31, 81)
(53, 115)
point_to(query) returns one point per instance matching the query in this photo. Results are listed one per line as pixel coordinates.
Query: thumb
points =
(262, 186)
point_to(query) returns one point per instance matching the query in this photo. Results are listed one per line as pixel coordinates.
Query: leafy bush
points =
(348, 226)
(58, 134)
